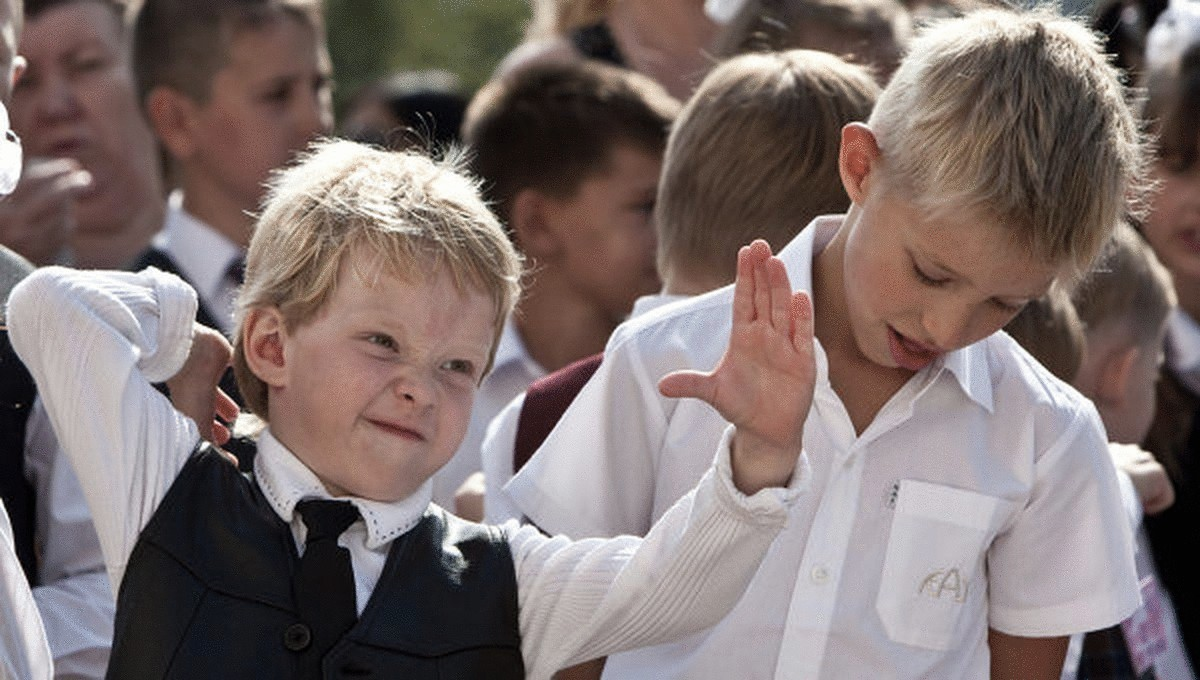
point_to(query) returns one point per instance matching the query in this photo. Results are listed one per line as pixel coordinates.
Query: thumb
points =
(684, 384)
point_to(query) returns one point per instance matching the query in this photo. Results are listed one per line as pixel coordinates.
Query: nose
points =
(951, 325)
(313, 115)
(55, 100)
(415, 388)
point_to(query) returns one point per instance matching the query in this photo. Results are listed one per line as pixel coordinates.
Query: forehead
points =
(66, 27)
(279, 44)
(978, 248)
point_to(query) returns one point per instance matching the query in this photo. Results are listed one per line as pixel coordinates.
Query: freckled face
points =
(917, 287)
(379, 386)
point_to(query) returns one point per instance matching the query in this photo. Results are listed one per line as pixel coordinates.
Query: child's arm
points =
(1150, 480)
(595, 597)
(94, 342)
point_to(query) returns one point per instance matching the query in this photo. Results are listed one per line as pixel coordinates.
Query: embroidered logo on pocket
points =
(944, 583)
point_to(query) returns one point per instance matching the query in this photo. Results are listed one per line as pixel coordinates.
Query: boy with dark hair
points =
(232, 89)
(570, 156)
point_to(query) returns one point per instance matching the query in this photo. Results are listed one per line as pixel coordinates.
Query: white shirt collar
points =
(202, 253)
(510, 350)
(285, 480)
(969, 365)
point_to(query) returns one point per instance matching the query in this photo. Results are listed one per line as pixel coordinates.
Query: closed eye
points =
(927, 279)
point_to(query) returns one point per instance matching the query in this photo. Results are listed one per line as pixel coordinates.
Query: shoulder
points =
(1028, 397)
(695, 327)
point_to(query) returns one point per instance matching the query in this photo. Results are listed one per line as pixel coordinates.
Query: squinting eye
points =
(460, 366)
(381, 340)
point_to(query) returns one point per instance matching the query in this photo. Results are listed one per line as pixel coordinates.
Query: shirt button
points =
(297, 637)
(819, 574)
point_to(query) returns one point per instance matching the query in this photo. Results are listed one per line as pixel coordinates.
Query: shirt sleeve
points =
(608, 438)
(1075, 523)
(23, 649)
(94, 342)
(586, 599)
(73, 595)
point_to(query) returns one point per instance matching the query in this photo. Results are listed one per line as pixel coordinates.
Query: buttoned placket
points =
(815, 594)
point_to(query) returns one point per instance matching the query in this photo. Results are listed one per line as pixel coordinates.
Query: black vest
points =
(17, 392)
(207, 594)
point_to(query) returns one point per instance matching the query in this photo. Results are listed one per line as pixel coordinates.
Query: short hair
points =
(182, 44)
(410, 213)
(1129, 286)
(871, 32)
(1173, 85)
(754, 154)
(1017, 118)
(551, 126)
(1049, 328)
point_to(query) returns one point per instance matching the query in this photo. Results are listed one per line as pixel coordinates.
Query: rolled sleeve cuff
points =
(767, 505)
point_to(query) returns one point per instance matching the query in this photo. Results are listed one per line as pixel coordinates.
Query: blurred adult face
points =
(77, 99)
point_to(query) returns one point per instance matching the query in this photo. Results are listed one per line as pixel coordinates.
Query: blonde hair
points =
(1018, 118)
(1049, 328)
(754, 154)
(409, 213)
(1130, 286)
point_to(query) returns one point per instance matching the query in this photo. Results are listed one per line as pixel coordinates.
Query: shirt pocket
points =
(933, 571)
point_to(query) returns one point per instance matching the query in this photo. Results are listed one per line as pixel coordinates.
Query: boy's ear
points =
(531, 220)
(857, 157)
(171, 115)
(1113, 382)
(264, 338)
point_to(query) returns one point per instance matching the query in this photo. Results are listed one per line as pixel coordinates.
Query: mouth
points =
(910, 354)
(397, 430)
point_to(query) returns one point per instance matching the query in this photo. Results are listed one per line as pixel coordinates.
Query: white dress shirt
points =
(94, 342)
(981, 495)
(73, 595)
(512, 371)
(501, 436)
(24, 654)
(204, 257)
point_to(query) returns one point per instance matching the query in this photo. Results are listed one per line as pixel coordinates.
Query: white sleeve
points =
(24, 654)
(591, 598)
(74, 597)
(608, 439)
(94, 342)
(1076, 521)
(498, 444)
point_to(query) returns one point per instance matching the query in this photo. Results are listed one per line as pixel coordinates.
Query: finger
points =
(227, 408)
(221, 435)
(38, 169)
(781, 293)
(687, 384)
(762, 290)
(743, 288)
(802, 322)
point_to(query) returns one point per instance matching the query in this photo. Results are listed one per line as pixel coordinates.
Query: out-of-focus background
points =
(370, 38)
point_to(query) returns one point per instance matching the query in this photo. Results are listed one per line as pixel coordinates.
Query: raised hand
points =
(194, 391)
(764, 382)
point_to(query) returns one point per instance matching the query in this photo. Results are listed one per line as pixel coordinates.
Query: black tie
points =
(324, 585)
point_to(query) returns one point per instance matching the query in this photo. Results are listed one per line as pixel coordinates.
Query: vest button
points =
(297, 637)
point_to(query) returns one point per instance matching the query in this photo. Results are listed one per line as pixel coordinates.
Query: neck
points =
(557, 326)
(676, 281)
(118, 247)
(227, 214)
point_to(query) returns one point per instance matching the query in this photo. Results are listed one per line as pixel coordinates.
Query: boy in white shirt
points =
(964, 518)
(376, 286)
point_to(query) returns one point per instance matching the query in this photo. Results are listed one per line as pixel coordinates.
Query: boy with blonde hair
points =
(377, 284)
(943, 456)
(232, 89)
